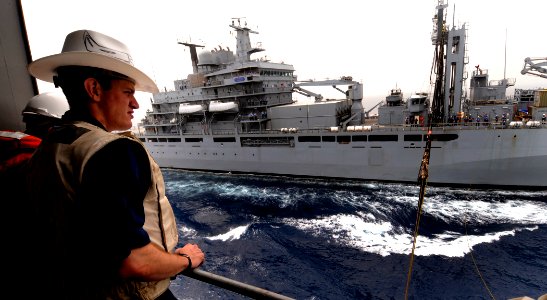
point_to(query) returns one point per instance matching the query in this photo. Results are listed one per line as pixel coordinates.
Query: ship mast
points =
(439, 39)
(243, 47)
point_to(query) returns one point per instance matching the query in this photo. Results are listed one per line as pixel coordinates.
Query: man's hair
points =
(71, 80)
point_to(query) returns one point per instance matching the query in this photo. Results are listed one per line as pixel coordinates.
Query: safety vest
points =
(16, 148)
(70, 161)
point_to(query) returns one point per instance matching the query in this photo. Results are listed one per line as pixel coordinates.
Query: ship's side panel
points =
(505, 157)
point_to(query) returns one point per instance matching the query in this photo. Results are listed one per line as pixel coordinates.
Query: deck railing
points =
(234, 285)
(372, 128)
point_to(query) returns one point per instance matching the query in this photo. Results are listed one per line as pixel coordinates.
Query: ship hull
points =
(477, 157)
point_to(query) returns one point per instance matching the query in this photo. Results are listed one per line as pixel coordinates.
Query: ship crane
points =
(532, 67)
(368, 111)
(344, 80)
(307, 93)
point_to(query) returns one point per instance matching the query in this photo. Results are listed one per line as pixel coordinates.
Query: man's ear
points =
(93, 88)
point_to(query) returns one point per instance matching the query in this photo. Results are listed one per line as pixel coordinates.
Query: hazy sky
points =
(383, 44)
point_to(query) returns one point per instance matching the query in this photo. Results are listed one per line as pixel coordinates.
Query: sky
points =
(382, 44)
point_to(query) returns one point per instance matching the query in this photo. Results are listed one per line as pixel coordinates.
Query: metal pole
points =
(234, 285)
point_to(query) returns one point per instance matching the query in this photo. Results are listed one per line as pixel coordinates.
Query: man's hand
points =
(195, 255)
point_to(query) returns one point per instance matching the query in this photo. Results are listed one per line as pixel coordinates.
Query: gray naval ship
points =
(237, 114)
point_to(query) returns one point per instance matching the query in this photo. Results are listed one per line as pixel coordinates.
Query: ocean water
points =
(333, 239)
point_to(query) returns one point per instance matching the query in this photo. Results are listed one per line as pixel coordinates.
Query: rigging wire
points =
(422, 179)
(475, 263)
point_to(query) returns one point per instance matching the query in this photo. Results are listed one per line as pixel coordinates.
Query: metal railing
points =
(392, 128)
(234, 285)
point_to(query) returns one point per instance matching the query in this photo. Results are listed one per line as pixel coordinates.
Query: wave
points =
(385, 239)
(373, 217)
(232, 234)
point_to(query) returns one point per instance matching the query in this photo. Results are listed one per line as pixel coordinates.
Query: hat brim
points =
(44, 68)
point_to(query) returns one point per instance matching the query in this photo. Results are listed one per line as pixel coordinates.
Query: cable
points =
(422, 179)
(475, 262)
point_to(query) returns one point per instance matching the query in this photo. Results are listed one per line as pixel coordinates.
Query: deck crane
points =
(535, 66)
(307, 93)
(368, 111)
(344, 80)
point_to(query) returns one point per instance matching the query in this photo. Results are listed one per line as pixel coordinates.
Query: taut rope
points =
(422, 180)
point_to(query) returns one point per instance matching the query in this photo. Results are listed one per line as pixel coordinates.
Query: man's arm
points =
(153, 263)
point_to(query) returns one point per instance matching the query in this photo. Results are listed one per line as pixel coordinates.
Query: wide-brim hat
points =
(92, 49)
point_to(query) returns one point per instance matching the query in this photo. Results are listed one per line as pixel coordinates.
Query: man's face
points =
(117, 105)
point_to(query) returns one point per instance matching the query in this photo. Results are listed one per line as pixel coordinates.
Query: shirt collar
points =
(72, 116)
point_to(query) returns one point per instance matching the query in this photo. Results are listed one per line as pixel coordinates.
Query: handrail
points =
(234, 285)
(406, 127)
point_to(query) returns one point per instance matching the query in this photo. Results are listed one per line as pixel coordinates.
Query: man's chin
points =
(123, 127)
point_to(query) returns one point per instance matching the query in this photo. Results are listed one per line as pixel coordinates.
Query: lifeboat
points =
(215, 106)
(186, 108)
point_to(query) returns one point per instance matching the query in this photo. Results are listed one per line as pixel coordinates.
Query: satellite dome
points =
(206, 58)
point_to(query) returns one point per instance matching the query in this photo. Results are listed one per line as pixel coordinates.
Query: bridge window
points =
(328, 138)
(306, 139)
(224, 140)
(343, 139)
(413, 137)
(442, 137)
(193, 140)
(383, 138)
(359, 138)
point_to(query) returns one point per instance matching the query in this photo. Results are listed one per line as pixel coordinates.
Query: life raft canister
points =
(16, 148)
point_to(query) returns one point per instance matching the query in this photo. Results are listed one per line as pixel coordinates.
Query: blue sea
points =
(340, 239)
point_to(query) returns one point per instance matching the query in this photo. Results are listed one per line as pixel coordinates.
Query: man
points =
(41, 113)
(105, 229)
(44, 111)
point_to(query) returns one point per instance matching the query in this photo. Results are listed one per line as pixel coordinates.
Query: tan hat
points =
(92, 49)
